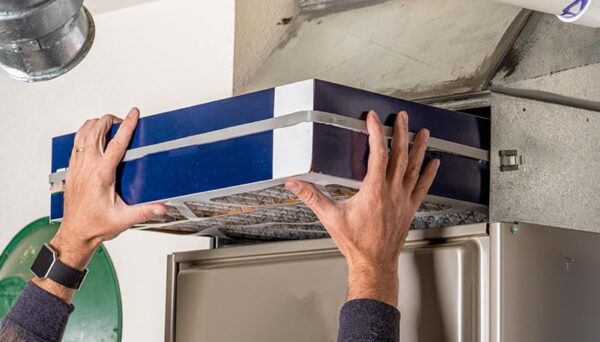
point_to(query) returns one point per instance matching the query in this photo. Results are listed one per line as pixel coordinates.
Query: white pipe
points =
(581, 12)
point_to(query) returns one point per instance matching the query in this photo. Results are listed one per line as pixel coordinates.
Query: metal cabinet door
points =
(544, 284)
(293, 291)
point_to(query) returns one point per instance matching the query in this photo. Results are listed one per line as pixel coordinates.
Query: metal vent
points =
(43, 39)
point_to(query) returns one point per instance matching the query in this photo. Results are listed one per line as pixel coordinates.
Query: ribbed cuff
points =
(40, 313)
(369, 320)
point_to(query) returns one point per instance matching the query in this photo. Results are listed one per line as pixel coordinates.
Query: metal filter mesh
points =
(276, 214)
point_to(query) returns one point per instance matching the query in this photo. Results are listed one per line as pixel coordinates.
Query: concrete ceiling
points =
(405, 48)
(102, 6)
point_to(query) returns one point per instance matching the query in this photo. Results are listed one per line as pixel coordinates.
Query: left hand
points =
(93, 211)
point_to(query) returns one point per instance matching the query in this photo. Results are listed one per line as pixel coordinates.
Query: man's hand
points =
(93, 212)
(370, 228)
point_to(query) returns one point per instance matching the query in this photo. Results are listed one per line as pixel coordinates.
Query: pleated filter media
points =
(276, 214)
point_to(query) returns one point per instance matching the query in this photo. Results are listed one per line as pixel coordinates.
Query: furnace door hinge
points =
(510, 160)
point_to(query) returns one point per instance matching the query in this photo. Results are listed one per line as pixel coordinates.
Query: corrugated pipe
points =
(43, 39)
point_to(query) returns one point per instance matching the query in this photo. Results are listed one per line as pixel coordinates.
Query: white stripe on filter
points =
(294, 97)
(292, 146)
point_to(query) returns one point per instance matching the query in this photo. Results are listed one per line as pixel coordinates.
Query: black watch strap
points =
(48, 266)
(66, 276)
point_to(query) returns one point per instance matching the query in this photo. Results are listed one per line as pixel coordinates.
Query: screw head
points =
(514, 229)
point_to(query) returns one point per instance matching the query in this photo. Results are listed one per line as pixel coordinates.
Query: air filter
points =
(220, 167)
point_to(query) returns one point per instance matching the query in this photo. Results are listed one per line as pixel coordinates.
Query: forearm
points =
(73, 253)
(42, 310)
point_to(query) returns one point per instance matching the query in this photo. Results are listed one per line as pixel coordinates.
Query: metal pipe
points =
(43, 39)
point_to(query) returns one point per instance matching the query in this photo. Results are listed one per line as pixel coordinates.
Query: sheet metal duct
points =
(43, 39)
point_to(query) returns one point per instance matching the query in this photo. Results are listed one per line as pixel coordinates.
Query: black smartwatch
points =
(47, 265)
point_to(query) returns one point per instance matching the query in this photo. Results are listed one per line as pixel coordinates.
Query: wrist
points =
(378, 282)
(73, 251)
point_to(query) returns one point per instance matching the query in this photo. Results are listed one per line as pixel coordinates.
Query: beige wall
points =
(158, 56)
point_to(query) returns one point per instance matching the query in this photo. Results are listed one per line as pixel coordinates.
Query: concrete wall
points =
(158, 56)
(260, 25)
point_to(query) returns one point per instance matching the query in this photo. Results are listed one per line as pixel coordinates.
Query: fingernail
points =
(437, 162)
(293, 187)
(426, 133)
(404, 115)
(375, 115)
(159, 211)
(133, 112)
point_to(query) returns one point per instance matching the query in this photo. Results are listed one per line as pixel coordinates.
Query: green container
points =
(98, 312)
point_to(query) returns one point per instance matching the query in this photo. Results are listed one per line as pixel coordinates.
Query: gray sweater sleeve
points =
(363, 320)
(36, 316)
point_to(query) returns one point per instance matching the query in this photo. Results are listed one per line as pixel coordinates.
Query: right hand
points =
(370, 227)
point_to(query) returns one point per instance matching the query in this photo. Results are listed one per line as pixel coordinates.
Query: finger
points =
(378, 153)
(115, 150)
(81, 137)
(80, 141)
(320, 204)
(102, 127)
(415, 159)
(425, 181)
(399, 154)
(133, 215)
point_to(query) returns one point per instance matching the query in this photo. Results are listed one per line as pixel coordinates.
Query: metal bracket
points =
(510, 160)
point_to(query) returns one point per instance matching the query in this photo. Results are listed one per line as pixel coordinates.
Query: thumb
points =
(320, 204)
(141, 213)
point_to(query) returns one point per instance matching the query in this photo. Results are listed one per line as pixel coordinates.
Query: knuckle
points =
(147, 215)
(377, 194)
(380, 155)
(85, 124)
(87, 139)
(105, 175)
(413, 171)
(401, 161)
(118, 143)
(106, 119)
(77, 138)
(311, 198)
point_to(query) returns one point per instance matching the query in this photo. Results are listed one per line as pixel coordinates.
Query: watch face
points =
(43, 262)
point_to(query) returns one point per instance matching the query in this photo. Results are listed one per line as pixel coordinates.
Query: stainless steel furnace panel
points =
(485, 282)
(293, 291)
(544, 284)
